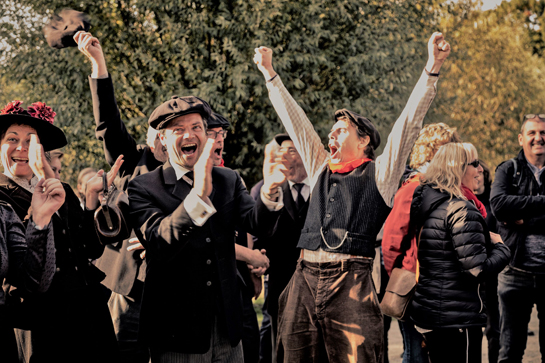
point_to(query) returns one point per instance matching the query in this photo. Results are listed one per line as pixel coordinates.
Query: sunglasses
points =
(474, 163)
(534, 115)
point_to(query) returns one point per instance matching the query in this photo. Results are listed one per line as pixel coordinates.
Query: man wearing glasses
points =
(518, 201)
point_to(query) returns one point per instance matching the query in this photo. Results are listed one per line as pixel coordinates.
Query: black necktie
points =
(299, 201)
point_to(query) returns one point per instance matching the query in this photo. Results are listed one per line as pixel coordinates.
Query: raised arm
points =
(306, 140)
(391, 164)
(110, 129)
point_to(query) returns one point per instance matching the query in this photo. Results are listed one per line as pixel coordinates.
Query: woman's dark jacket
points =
(455, 254)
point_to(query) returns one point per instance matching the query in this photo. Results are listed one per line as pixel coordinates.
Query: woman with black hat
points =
(69, 322)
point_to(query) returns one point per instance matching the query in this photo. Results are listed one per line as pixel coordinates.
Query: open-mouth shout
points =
(218, 151)
(189, 149)
(20, 160)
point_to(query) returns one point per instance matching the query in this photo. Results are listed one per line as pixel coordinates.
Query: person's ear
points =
(364, 141)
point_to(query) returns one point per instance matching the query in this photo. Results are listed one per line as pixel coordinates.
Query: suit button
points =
(208, 240)
(209, 283)
(328, 215)
(64, 231)
(58, 269)
(76, 268)
(331, 199)
(325, 232)
(208, 262)
(334, 184)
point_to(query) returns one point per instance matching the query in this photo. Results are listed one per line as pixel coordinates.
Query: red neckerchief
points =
(347, 166)
(222, 162)
(468, 193)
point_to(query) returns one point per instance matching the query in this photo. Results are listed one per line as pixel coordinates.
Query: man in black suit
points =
(188, 211)
(122, 262)
(282, 245)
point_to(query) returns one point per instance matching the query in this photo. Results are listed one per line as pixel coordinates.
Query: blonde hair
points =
(472, 153)
(447, 169)
(430, 139)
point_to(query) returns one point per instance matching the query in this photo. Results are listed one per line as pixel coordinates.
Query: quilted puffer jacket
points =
(455, 253)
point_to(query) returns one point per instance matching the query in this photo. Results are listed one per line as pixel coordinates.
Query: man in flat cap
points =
(351, 198)
(122, 262)
(187, 211)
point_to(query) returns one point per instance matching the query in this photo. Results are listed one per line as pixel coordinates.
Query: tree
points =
(363, 55)
(492, 80)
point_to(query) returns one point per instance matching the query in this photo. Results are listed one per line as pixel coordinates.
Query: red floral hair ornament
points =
(14, 108)
(41, 111)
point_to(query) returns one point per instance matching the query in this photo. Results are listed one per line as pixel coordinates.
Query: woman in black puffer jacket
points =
(455, 253)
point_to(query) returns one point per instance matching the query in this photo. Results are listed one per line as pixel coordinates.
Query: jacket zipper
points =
(480, 299)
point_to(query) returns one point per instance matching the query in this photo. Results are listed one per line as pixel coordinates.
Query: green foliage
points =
(363, 55)
(490, 81)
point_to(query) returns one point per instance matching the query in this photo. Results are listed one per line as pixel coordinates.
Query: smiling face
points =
(532, 139)
(297, 171)
(471, 178)
(14, 153)
(345, 143)
(217, 155)
(184, 138)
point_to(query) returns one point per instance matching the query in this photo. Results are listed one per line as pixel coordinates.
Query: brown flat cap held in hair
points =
(62, 27)
(362, 123)
(178, 106)
(217, 120)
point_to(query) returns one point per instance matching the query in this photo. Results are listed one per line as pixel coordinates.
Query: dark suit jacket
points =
(282, 248)
(122, 268)
(191, 275)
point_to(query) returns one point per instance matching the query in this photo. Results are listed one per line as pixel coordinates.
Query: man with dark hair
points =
(187, 211)
(330, 311)
(518, 201)
(282, 245)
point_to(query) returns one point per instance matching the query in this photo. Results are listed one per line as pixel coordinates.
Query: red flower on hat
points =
(40, 110)
(14, 108)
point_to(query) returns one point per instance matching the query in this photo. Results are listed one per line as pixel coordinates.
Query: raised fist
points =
(263, 59)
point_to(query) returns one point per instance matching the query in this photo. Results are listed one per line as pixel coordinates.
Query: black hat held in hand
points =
(178, 106)
(62, 27)
(362, 123)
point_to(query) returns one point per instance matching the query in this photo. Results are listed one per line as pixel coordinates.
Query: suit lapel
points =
(180, 188)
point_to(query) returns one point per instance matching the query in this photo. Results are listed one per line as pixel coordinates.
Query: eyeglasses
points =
(534, 115)
(214, 134)
(474, 163)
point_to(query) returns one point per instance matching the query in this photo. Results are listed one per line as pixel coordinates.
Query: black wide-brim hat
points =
(362, 123)
(51, 137)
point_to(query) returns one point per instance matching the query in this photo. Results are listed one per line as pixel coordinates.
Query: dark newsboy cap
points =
(362, 123)
(280, 138)
(62, 27)
(178, 106)
(217, 120)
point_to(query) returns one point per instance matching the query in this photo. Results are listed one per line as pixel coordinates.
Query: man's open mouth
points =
(218, 151)
(333, 150)
(189, 149)
(20, 160)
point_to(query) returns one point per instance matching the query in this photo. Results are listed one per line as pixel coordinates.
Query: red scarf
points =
(347, 166)
(468, 193)
(222, 162)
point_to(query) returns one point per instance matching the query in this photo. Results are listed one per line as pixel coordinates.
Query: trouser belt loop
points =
(343, 265)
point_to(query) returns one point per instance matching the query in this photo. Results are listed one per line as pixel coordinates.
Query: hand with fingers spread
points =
(137, 245)
(37, 161)
(263, 59)
(47, 198)
(203, 171)
(275, 171)
(90, 46)
(438, 51)
(95, 185)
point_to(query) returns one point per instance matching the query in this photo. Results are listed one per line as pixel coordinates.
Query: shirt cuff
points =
(273, 206)
(197, 209)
